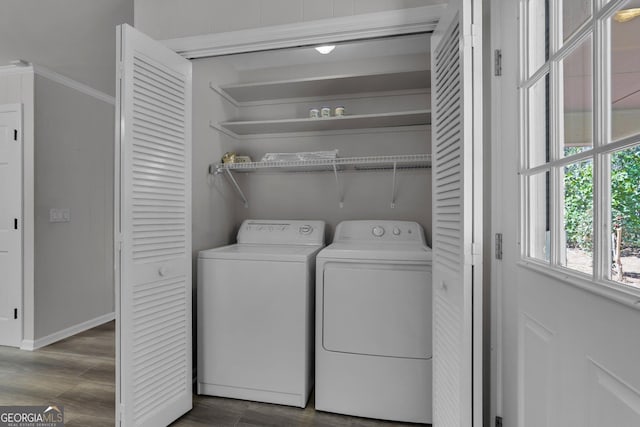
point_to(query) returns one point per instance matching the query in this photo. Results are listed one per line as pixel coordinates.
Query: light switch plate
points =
(59, 215)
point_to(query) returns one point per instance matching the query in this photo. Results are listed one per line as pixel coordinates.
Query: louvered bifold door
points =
(455, 174)
(153, 232)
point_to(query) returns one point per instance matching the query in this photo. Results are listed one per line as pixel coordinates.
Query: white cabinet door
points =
(153, 232)
(457, 216)
(10, 225)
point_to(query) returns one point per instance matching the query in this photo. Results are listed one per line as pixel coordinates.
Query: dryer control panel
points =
(278, 232)
(380, 231)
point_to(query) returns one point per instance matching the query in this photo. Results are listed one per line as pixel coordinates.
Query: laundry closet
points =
(313, 140)
(257, 103)
(371, 158)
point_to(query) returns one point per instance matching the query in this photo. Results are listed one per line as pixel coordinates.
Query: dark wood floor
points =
(79, 373)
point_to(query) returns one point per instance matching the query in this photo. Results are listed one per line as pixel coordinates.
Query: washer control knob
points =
(306, 229)
(377, 231)
(396, 231)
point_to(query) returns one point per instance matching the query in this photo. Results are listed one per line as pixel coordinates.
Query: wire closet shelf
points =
(409, 161)
(393, 163)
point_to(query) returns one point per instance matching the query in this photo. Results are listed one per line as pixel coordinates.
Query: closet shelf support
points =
(339, 189)
(237, 187)
(393, 185)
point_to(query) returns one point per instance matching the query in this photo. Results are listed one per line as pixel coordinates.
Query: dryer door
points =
(377, 309)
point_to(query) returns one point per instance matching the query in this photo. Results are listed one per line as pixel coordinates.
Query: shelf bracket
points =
(237, 187)
(393, 186)
(338, 187)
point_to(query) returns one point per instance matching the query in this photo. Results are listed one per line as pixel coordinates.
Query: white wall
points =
(74, 170)
(212, 199)
(166, 19)
(17, 86)
(76, 38)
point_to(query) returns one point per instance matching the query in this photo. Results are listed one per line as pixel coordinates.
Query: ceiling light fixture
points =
(626, 14)
(325, 49)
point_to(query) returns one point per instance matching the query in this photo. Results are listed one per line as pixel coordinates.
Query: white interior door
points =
(457, 220)
(10, 225)
(153, 232)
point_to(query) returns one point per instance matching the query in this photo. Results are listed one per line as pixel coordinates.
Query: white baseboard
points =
(31, 345)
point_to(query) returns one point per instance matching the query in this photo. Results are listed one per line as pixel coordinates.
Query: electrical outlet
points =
(59, 215)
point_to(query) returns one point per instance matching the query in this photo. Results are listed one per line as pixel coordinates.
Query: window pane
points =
(538, 212)
(625, 216)
(574, 14)
(625, 75)
(578, 101)
(538, 36)
(578, 217)
(538, 138)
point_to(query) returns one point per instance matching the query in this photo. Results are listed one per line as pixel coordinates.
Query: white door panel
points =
(153, 224)
(10, 226)
(457, 216)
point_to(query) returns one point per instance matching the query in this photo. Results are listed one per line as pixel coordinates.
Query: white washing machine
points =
(255, 313)
(373, 322)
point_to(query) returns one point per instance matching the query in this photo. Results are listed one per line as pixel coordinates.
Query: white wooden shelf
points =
(327, 86)
(361, 121)
(394, 163)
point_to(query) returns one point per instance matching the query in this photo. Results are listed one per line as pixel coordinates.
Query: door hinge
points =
(120, 70)
(498, 421)
(15, 134)
(15, 223)
(498, 246)
(15, 313)
(497, 62)
(476, 254)
(472, 39)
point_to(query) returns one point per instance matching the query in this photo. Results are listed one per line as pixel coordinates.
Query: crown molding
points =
(73, 84)
(331, 30)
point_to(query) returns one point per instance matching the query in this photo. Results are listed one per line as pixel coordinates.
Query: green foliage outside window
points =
(625, 195)
(578, 203)
(625, 199)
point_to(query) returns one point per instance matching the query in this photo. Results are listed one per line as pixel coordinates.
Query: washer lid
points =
(290, 253)
(378, 251)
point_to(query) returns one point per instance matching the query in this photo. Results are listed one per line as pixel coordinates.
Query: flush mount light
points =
(626, 14)
(325, 49)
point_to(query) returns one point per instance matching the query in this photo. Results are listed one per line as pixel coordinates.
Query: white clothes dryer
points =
(373, 322)
(255, 313)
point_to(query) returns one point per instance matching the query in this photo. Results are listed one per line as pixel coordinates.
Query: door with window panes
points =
(568, 287)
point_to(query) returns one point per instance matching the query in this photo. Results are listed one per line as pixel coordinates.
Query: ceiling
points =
(76, 38)
(625, 69)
